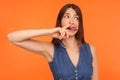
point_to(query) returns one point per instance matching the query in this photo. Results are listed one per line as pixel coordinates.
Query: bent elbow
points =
(11, 37)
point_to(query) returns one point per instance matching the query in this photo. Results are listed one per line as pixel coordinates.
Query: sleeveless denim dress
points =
(63, 69)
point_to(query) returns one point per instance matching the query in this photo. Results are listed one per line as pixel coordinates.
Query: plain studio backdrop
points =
(101, 20)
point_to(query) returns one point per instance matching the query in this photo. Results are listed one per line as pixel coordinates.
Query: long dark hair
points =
(80, 34)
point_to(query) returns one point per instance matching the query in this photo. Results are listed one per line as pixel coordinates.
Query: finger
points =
(67, 35)
(65, 27)
(60, 33)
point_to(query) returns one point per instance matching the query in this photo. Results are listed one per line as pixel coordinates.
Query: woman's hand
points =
(60, 32)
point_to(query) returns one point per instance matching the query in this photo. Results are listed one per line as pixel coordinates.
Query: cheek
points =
(64, 22)
(77, 25)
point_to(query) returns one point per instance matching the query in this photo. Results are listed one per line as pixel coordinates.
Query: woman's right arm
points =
(23, 39)
(22, 35)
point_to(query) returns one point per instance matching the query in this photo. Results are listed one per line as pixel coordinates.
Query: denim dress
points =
(63, 69)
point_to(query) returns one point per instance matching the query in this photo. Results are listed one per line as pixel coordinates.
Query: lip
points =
(72, 28)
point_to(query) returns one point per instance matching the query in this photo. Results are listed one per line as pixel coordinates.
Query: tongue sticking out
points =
(71, 28)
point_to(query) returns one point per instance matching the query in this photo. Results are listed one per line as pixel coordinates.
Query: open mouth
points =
(72, 28)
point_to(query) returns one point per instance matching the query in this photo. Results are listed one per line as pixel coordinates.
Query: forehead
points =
(70, 11)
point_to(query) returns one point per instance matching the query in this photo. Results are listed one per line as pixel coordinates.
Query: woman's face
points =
(70, 19)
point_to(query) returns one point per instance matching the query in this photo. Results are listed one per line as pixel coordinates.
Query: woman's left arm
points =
(94, 63)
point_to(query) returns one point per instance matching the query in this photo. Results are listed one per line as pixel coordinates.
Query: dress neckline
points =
(71, 63)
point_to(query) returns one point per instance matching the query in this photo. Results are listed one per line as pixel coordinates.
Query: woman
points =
(69, 56)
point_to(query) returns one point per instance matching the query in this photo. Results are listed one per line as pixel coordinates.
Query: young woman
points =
(69, 56)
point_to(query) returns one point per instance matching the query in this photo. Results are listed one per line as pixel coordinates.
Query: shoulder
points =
(89, 46)
(93, 49)
(49, 47)
(49, 51)
(94, 55)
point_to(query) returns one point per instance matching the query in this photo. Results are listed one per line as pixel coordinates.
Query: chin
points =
(72, 35)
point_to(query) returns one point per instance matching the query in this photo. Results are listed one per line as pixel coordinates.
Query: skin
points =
(66, 33)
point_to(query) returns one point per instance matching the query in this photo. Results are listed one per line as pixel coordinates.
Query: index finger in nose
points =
(65, 27)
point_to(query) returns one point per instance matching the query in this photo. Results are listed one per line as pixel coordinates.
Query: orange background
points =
(102, 28)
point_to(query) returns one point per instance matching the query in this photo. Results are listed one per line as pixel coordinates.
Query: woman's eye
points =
(66, 16)
(76, 18)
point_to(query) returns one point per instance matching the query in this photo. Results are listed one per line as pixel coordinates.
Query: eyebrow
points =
(69, 14)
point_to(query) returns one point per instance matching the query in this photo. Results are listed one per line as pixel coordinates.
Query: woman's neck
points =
(70, 42)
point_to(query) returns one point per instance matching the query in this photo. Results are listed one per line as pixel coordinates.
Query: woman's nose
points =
(71, 21)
